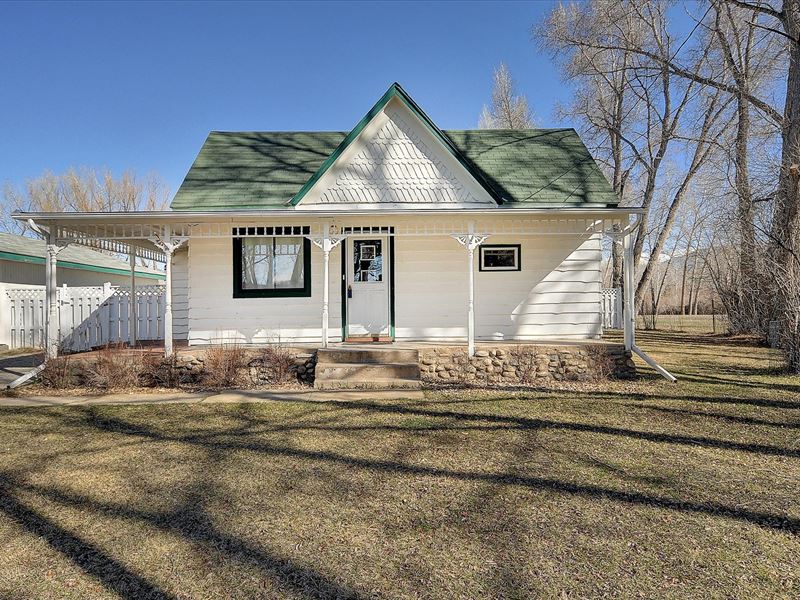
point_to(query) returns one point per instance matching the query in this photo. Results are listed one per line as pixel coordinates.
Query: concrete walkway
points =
(226, 397)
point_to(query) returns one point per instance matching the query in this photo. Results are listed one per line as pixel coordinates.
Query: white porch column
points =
(168, 245)
(470, 241)
(629, 311)
(51, 293)
(326, 243)
(132, 304)
(52, 247)
(168, 306)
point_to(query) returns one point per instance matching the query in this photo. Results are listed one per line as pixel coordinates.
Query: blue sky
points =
(139, 85)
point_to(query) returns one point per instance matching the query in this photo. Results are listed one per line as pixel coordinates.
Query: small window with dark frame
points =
(499, 257)
(265, 267)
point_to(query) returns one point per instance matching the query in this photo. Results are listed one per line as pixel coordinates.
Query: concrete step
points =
(366, 371)
(372, 384)
(364, 355)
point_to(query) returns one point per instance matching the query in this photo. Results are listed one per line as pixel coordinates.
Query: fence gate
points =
(611, 307)
(88, 316)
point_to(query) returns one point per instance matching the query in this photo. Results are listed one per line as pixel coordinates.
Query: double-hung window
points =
(273, 266)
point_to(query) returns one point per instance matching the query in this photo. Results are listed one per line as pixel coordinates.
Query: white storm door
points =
(367, 286)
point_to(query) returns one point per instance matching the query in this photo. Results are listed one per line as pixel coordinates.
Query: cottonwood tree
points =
(83, 190)
(749, 38)
(603, 107)
(508, 110)
(642, 107)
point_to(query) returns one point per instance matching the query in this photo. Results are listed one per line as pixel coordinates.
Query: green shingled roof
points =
(263, 170)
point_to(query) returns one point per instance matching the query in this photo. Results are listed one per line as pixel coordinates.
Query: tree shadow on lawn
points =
(191, 522)
(714, 415)
(224, 441)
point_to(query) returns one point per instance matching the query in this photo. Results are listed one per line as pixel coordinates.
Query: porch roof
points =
(140, 231)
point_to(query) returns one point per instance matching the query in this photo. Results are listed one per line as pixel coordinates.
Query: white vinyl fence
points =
(611, 307)
(89, 317)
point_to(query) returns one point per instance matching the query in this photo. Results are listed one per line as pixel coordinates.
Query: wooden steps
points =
(363, 369)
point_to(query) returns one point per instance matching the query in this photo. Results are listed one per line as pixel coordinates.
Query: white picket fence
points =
(89, 317)
(611, 307)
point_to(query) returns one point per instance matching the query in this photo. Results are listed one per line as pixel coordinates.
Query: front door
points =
(367, 287)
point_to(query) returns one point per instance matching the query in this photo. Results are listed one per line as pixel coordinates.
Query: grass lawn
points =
(642, 489)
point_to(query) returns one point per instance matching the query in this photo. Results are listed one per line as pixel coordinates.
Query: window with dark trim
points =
(499, 257)
(271, 267)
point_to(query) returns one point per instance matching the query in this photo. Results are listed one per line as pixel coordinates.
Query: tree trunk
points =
(745, 205)
(786, 221)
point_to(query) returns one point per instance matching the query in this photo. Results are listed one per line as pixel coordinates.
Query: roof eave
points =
(220, 215)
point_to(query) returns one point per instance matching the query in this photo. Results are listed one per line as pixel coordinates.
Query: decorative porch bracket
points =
(326, 242)
(470, 241)
(168, 245)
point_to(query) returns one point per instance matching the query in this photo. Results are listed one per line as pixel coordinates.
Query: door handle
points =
(349, 291)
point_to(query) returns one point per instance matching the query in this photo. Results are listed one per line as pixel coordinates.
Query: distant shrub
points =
(113, 368)
(59, 373)
(274, 364)
(223, 366)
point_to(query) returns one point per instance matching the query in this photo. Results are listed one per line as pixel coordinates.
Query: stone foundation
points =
(258, 371)
(526, 364)
(504, 364)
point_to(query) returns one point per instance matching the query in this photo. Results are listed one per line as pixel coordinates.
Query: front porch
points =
(439, 300)
(396, 365)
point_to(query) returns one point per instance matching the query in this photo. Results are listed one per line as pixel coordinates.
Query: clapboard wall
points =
(555, 295)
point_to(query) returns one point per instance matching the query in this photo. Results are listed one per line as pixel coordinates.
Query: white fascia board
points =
(166, 217)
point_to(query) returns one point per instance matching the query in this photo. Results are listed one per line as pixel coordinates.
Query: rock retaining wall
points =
(526, 364)
(258, 371)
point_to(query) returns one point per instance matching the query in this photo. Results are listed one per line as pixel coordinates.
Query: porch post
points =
(168, 295)
(51, 292)
(168, 245)
(326, 242)
(629, 312)
(132, 304)
(470, 241)
(471, 296)
(326, 255)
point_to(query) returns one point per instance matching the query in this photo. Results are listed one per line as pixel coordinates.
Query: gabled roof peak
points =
(395, 90)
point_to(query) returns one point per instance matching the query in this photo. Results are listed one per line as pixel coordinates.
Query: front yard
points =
(622, 489)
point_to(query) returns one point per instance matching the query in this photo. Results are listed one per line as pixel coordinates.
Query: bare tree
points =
(508, 110)
(650, 102)
(603, 106)
(83, 190)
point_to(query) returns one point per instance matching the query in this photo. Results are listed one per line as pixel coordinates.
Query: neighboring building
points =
(22, 261)
(395, 230)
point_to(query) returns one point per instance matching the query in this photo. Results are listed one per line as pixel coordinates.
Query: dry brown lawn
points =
(640, 489)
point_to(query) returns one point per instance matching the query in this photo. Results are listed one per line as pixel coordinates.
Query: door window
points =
(368, 261)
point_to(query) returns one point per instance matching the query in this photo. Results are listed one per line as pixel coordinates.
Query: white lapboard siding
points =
(180, 294)
(216, 317)
(555, 295)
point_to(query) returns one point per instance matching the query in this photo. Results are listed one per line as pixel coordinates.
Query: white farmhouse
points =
(394, 231)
